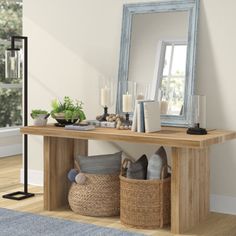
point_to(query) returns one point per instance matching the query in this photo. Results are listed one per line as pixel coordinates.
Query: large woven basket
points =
(145, 203)
(99, 196)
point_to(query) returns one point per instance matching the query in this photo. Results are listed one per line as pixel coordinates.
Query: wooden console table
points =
(190, 165)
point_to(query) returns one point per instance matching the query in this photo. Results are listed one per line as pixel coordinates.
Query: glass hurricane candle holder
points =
(197, 115)
(127, 89)
(106, 95)
(143, 91)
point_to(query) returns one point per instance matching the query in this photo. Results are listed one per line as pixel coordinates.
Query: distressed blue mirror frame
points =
(129, 10)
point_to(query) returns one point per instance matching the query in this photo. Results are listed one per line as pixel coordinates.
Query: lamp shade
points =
(12, 64)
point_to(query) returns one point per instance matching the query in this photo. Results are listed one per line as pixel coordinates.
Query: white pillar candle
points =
(164, 107)
(127, 102)
(105, 96)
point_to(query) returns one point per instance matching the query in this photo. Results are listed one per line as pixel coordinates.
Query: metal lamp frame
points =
(20, 195)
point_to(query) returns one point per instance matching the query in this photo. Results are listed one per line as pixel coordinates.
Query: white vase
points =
(40, 120)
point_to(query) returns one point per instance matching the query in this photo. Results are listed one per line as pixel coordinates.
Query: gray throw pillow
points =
(155, 164)
(100, 164)
(137, 169)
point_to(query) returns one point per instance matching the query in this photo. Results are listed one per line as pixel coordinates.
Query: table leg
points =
(58, 160)
(189, 188)
(80, 147)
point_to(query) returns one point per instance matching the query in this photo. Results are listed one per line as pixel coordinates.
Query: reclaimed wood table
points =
(190, 179)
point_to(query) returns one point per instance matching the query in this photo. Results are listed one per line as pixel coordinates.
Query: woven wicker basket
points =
(145, 203)
(99, 196)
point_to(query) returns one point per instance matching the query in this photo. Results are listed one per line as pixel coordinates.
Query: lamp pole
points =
(20, 195)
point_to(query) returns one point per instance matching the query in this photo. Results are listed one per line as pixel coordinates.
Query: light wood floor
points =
(215, 225)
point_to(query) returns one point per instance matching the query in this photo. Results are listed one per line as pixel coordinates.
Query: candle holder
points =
(127, 89)
(127, 121)
(143, 91)
(106, 95)
(197, 115)
(105, 115)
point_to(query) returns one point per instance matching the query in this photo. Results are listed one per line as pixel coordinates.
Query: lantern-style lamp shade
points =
(12, 65)
(197, 115)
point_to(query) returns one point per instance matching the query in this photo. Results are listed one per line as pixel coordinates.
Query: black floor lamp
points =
(13, 70)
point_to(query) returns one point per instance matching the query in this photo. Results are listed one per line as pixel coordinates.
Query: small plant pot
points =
(66, 122)
(41, 120)
(60, 118)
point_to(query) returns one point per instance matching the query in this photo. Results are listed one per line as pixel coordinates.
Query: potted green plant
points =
(67, 111)
(40, 117)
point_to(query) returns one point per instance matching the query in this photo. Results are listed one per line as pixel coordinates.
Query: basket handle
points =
(163, 169)
(123, 167)
(124, 163)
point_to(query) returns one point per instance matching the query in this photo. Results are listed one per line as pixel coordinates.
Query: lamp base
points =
(196, 131)
(19, 195)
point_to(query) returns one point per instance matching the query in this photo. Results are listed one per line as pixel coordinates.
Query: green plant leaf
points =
(35, 113)
(72, 109)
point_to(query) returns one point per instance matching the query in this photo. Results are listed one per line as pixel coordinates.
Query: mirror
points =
(158, 43)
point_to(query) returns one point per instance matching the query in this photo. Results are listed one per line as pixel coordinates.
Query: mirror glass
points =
(158, 51)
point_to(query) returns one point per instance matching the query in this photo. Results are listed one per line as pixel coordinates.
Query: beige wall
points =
(72, 42)
(215, 78)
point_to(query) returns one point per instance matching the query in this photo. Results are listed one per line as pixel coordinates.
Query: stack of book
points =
(80, 127)
(146, 117)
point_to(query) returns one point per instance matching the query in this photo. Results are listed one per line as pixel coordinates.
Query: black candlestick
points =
(127, 121)
(105, 114)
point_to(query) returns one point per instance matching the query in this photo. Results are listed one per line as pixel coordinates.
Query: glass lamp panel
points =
(12, 64)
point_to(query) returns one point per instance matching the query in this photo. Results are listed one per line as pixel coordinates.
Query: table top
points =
(168, 136)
